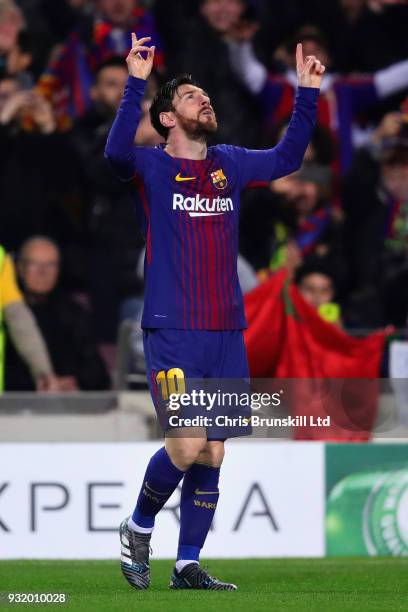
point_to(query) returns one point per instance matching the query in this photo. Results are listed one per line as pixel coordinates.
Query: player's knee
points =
(184, 455)
(213, 454)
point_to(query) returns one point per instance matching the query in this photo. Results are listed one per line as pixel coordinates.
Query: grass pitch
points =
(264, 584)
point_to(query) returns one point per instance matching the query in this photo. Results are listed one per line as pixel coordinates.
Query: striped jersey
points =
(189, 212)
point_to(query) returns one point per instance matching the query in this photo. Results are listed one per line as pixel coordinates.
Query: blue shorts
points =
(175, 357)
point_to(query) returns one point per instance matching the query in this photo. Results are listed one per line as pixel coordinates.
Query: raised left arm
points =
(287, 156)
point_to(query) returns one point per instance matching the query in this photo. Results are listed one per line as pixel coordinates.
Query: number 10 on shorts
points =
(171, 382)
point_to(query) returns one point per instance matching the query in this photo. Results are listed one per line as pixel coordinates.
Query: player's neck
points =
(178, 145)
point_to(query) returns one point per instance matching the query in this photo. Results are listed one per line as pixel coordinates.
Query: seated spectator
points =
(70, 75)
(22, 331)
(64, 324)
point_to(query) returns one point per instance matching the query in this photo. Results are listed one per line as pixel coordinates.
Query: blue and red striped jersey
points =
(190, 212)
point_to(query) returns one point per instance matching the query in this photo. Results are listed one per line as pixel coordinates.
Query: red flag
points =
(336, 374)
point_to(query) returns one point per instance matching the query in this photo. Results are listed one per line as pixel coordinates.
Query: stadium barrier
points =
(278, 499)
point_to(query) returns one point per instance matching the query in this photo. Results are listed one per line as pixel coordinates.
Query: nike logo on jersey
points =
(181, 179)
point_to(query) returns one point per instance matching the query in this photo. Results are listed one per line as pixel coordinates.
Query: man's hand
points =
(41, 113)
(389, 127)
(309, 70)
(47, 383)
(13, 107)
(137, 65)
(68, 383)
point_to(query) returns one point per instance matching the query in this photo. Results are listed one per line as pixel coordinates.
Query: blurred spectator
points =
(178, 13)
(364, 35)
(371, 34)
(205, 54)
(18, 101)
(39, 181)
(114, 240)
(317, 287)
(8, 87)
(21, 59)
(293, 218)
(11, 22)
(342, 98)
(55, 19)
(70, 74)
(64, 324)
(248, 279)
(375, 198)
(23, 331)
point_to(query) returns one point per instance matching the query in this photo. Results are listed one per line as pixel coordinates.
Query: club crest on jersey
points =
(219, 179)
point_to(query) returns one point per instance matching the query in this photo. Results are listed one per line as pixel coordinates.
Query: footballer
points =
(193, 318)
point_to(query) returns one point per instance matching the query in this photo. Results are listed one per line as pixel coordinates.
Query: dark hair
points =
(308, 33)
(163, 101)
(116, 61)
(396, 155)
(314, 268)
(27, 41)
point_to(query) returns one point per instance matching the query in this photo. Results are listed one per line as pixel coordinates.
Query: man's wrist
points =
(311, 90)
(136, 84)
(137, 78)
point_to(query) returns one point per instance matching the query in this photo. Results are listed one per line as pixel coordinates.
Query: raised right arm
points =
(120, 149)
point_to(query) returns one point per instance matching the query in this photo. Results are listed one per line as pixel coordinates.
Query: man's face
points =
(193, 111)
(395, 179)
(17, 60)
(222, 15)
(302, 195)
(117, 12)
(39, 267)
(109, 87)
(353, 6)
(11, 22)
(317, 289)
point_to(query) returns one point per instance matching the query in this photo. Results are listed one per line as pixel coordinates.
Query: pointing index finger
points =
(299, 55)
(134, 40)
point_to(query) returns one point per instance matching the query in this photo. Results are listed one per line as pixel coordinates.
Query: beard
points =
(200, 128)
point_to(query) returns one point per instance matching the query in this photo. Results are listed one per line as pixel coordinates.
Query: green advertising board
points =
(367, 499)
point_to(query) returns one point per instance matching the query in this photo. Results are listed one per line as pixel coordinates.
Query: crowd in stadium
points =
(339, 225)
